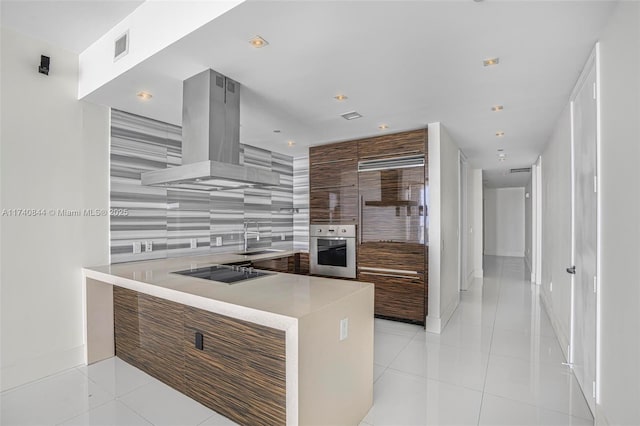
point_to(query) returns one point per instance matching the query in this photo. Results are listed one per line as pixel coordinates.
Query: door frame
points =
(592, 61)
(463, 220)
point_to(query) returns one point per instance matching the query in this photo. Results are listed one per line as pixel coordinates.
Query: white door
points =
(585, 209)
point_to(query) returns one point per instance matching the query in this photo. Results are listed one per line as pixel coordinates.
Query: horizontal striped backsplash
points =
(170, 218)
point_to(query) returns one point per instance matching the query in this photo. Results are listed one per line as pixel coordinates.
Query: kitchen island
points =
(278, 349)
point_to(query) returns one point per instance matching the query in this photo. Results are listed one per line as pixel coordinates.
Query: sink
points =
(256, 252)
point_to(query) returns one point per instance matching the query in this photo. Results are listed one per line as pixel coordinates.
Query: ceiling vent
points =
(521, 170)
(121, 46)
(351, 115)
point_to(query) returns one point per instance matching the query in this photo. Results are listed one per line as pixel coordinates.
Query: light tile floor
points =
(496, 363)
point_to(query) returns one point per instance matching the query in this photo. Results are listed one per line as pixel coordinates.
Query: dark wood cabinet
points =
(149, 334)
(399, 273)
(393, 145)
(333, 183)
(239, 371)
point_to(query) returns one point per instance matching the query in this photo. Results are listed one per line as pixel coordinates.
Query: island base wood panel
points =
(240, 372)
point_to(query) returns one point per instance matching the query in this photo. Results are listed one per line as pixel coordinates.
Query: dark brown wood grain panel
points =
(398, 297)
(336, 205)
(406, 256)
(322, 154)
(393, 145)
(299, 264)
(126, 325)
(240, 372)
(161, 339)
(333, 165)
(280, 264)
(149, 333)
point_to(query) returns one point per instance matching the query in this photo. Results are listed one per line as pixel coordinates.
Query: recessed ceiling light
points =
(258, 42)
(340, 97)
(496, 108)
(499, 134)
(383, 127)
(491, 61)
(352, 115)
(291, 143)
(145, 96)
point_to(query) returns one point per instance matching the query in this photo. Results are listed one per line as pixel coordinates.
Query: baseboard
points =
(433, 325)
(436, 325)
(532, 275)
(562, 339)
(468, 281)
(600, 418)
(29, 370)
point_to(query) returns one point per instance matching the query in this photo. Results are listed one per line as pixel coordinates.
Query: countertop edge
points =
(268, 319)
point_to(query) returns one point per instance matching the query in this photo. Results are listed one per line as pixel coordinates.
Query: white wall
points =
(478, 226)
(97, 66)
(504, 222)
(528, 224)
(54, 155)
(474, 226)
(443, 227)
(556, 228)
(619, 385)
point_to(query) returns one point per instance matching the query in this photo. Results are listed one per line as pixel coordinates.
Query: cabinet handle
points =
(390, 275)
(199, 341)
(391, 155)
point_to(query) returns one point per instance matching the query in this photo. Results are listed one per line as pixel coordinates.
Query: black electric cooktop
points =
(224, 273)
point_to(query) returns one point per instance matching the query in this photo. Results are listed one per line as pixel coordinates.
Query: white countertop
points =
(274, 300)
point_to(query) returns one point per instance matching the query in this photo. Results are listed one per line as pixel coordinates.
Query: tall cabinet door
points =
(333, 183)
(393, 222)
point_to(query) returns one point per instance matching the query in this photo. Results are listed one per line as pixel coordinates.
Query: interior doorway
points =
(584, 270)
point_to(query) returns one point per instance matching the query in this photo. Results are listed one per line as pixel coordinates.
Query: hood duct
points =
(211, 141)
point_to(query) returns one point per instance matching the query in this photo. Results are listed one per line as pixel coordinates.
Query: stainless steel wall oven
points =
(332, 250)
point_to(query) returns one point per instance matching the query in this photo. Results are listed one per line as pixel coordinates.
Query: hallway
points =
(497, 362)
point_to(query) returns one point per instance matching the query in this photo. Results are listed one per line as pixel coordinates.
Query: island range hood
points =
(211, 141)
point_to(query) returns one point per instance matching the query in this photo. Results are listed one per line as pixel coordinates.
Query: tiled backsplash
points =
(171, 219)
(301, 203)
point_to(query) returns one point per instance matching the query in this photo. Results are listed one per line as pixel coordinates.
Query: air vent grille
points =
(391, 163)
(351, 115)
(121, 46)
(521, 170)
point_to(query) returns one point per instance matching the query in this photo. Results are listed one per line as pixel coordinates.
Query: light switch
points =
(194, 243)
(344, 328)
(218, 241)
(282, 237)
(137, 247)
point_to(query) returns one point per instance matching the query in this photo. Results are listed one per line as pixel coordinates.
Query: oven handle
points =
(333, 238)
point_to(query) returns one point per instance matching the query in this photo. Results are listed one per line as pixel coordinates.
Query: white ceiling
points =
(73, 25)
(405, 64)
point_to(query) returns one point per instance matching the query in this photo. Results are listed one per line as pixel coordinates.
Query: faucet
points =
(247, 233)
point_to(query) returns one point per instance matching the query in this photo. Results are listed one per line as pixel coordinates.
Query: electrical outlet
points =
(218, 241)
(344, 328)
(148, 246)
(193, 243)
(137, 247)
(282, 237)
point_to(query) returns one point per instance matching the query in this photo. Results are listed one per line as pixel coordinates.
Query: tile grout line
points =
(486, 372)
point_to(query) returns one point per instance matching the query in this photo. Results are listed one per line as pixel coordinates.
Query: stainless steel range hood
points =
(211, 141)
